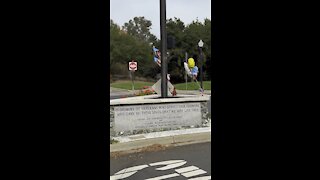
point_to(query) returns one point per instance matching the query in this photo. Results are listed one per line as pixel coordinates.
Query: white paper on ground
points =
(157, 87)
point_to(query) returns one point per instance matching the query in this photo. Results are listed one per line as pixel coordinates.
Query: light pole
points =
(200, 44)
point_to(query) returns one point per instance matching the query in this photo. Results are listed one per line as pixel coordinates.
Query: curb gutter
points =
(175, 140)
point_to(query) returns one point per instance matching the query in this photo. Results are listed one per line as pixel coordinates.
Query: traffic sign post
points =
(133, 66)
(132, 77)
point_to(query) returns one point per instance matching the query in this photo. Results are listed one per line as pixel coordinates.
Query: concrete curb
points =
(151, 99)
(192, 92)
(175, 140)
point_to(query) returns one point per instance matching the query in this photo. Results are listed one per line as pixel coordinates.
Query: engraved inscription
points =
(157, 116)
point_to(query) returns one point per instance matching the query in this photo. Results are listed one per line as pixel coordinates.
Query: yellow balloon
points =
(191, 63)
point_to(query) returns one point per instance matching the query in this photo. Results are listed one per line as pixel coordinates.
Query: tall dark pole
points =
(164, 63)
(201, 71)
(186, 76)
(200, 44)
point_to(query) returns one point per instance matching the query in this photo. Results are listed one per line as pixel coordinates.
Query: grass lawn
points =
(139, 84)
(128, 84)
(193, 86)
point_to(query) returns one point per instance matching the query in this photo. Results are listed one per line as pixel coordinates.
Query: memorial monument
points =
(159, 112)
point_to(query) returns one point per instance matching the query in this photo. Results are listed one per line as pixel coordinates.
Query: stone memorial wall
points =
(144, 118)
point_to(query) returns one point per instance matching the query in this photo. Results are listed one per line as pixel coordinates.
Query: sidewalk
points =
(193, 92)
(135, 143)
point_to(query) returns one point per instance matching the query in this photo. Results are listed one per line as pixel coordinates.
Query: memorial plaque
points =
(156, 116)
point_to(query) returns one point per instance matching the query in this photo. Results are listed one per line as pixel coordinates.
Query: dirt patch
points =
(155, 147)
(152, 148)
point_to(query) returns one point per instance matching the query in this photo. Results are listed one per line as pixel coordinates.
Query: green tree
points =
(125, 47)
(187, 38)
(133, 42)
(140, 27)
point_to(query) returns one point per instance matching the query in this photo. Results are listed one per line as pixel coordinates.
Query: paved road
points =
(117, 93)
(191, 162)
(118, 96)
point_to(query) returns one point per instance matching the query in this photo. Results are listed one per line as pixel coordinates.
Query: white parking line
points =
(134, 168)
(194, 173)
(122, 176)
(166, 162)
(171, 166)
(164, 177)
(202, 178)
(187, 172)
(186, 169)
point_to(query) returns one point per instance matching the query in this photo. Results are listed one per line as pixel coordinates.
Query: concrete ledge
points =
(193, 92)
(175, 140)
(155, 99)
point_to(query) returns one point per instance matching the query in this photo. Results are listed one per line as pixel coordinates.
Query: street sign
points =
(133, 66)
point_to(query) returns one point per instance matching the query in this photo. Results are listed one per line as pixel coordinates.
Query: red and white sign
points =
(133, 66)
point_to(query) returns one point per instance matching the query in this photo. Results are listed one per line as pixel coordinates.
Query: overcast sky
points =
(121, 11)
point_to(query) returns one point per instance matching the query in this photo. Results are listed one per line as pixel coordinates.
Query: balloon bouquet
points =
(192, 71)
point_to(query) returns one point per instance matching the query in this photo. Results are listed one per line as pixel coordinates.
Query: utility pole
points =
(163, 37)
